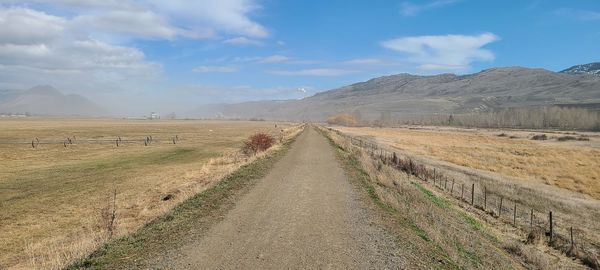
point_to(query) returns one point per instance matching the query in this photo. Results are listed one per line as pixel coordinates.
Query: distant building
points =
(154, 116)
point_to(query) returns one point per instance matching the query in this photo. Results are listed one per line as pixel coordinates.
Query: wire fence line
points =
(117, 141)
(535, 222)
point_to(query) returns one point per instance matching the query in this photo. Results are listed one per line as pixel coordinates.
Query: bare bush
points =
(539, 137)
(257, 143)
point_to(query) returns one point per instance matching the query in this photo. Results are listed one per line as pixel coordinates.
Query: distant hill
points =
(589, 69)
(447, 93)
(45, 100)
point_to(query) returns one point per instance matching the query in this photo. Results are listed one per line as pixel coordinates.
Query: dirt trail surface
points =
(303, 214)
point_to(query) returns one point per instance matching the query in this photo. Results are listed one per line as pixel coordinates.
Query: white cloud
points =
(45, 45)
(319, 72)
(144, 24)
(274, 59)
(215, 69)
(162, 19)
(410, 9)
(231, 16)
(449, 52)
(25, 26)
(243, 41)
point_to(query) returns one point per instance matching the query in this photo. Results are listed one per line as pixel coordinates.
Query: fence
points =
(117, 141)
(563, 237)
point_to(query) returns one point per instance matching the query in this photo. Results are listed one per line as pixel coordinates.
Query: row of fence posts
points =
(394, 157)
(118, 141)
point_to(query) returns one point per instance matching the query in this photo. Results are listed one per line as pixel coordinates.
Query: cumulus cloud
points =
(215, 69)
(319, 72)
(23, 26)
(163, 19)
(410, 9)
(448, 52)
(88, 42)
(39, 48)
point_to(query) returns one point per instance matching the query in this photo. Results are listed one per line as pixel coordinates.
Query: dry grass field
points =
(572, 165)
(451, 230)
(543, 175)
(54, 198)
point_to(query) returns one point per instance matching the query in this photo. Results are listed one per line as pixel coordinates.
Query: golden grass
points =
(467, 239)
(573, 165)
(52, 196)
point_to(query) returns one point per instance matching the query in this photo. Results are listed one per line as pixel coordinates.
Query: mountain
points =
(45, 100)
(446, 93)
(589, 69)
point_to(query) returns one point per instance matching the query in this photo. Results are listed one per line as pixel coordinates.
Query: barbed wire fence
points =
(534, 222)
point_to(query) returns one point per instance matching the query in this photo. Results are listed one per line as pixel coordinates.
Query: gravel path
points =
(303, 214)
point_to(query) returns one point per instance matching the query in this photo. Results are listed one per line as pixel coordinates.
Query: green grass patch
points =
(471, 256)
(474, 223)
(441, 202)
(420, 232)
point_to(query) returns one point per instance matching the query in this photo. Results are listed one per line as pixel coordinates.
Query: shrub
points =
(566, 138)
(539, 137)
(257, 143)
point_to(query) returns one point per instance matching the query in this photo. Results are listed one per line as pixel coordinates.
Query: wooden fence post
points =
(531, 221)
(452, 188)
(445, 183)
(473, 194)
(515, 215)
(551, 227)
(500, 207)
(484, 198)
(462, 191)
(572, 242)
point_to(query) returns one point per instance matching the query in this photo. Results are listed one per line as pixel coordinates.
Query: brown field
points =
(568, 165)
(452, 228)
(536, 175)
(52, 197)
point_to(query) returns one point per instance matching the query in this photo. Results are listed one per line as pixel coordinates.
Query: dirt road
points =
(303, 214)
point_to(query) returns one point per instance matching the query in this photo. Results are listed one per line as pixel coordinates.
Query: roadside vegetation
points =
(450, 230)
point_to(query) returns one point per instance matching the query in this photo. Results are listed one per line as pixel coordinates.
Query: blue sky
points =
(139, 55)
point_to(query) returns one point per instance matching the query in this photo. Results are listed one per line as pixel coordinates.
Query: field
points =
(554, 174)
(569, 165)
(57, 195)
